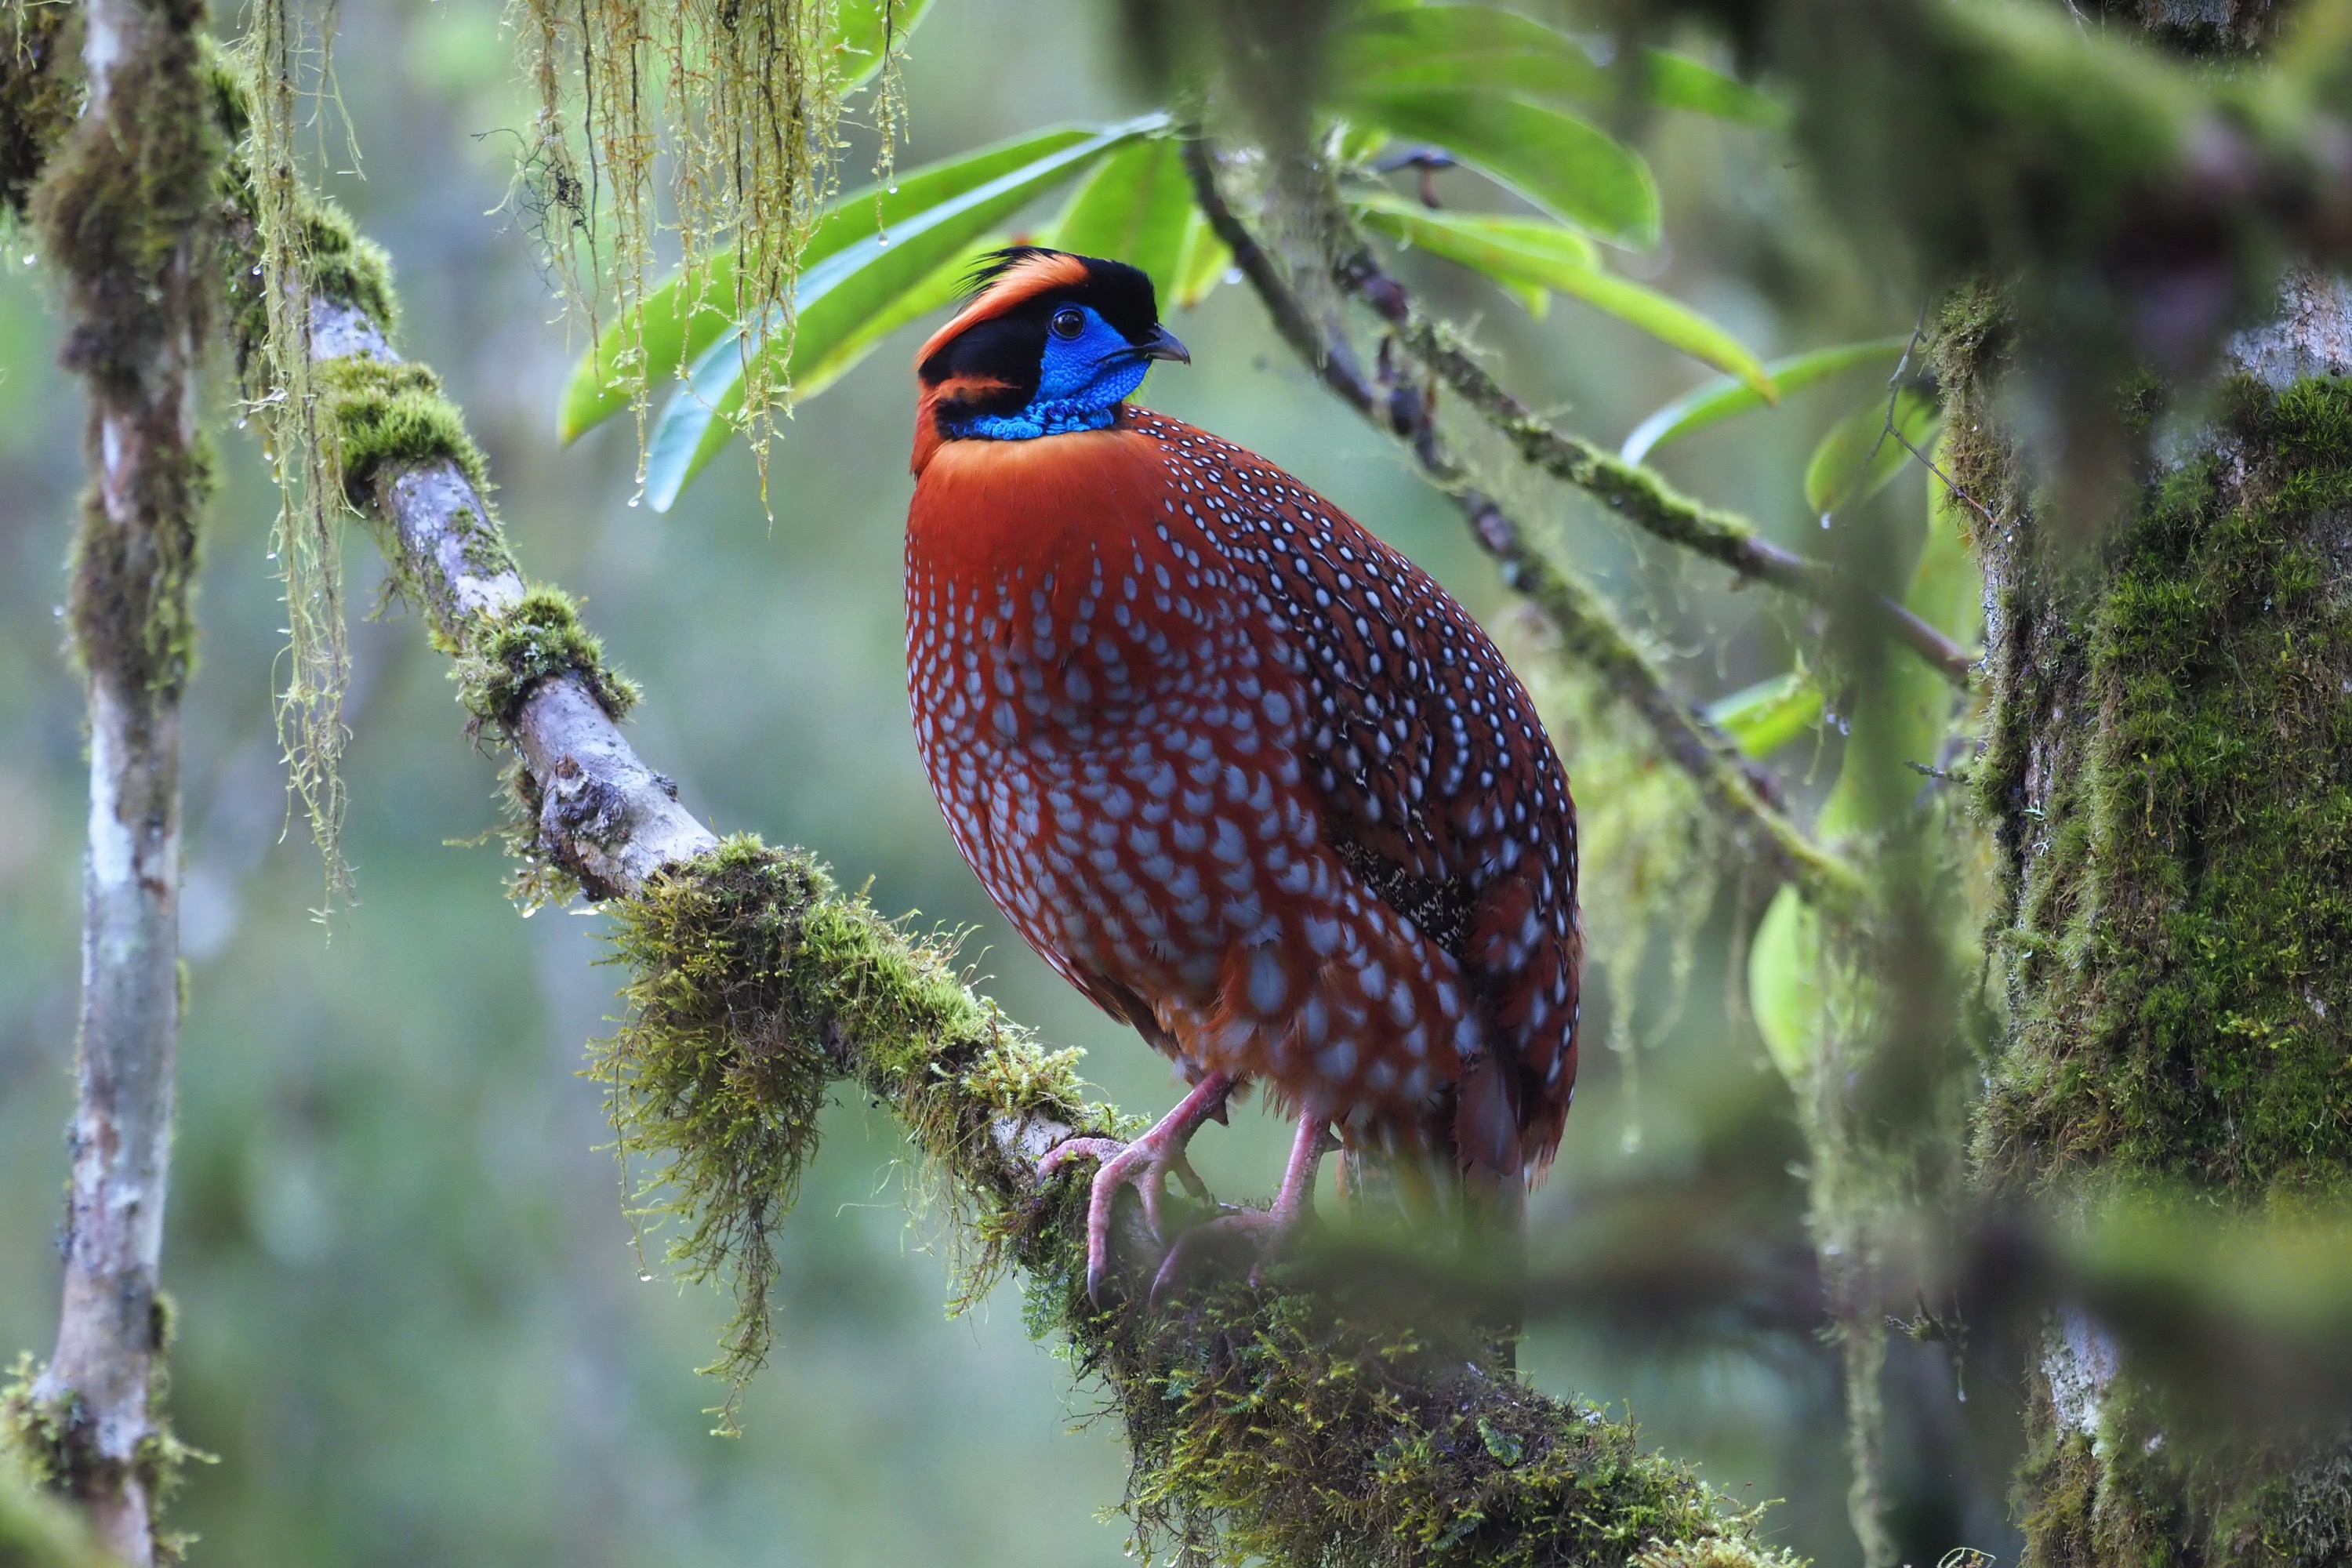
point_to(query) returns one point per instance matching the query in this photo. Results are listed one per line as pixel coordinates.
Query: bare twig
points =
(1740, 793)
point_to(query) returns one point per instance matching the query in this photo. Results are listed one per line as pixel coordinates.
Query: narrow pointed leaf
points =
(1713, 402)
(1206, 261)
(1508, 249)
(1134, 208)
(1858, 459)
(679, 328)
(1677, 81)
(1483, 48)
(1670, 321)
(844, 294)
(1529, 253)
(1769, 715)
(1797, 1000)
(1461, 48)
(859, 24)
(946, 284)
(1564, 166)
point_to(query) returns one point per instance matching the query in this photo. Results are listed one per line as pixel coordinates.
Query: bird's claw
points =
(1268, 1228)
(1143, 1164)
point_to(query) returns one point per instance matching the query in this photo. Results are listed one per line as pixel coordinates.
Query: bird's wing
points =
(1440, 786)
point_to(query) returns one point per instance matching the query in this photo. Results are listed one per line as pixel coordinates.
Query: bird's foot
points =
(1271, 1229)
(1144, 1165)
(1267, 1230)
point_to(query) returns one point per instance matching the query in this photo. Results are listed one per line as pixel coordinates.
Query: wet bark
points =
(125, 212)
(2167, 778)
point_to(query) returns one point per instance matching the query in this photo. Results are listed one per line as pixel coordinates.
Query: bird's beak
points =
(1163, 345)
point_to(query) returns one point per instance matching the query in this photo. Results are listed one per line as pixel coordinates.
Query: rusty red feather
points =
(1246, 777)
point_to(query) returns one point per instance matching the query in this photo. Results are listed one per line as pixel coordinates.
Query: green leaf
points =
(843, 295)
(1552, 158)
(1858, 459)
(1482, 48)
(1133, 208)
(1670, 321)
(1677, 81)
(1529, 253)
(945, 285)
(1508, 249)
(1464, 49)
(1769, 715)
(677, 329)
(1796, 999)
(1713, 402)
(1206, 261)
(1785, 996)
(859, 24)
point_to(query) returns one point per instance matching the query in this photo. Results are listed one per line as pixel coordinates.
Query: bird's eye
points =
(1069, 322)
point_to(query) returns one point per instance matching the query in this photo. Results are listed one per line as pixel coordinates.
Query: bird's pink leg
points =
(1144, 1164)
(1294, 1203)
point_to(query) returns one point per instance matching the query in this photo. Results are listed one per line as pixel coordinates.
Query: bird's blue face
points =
(1087, 368)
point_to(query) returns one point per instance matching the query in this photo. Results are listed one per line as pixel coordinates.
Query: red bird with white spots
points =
(1240, 772)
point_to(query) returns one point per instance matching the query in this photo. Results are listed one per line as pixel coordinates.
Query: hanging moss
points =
(1266, 1424)
(754, 984)
(743, 99)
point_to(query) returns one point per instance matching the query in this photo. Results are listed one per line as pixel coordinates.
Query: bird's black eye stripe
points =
(1068, 322)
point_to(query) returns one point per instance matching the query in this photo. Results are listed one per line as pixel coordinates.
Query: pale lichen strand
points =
(740, 100)
(1265, 1425)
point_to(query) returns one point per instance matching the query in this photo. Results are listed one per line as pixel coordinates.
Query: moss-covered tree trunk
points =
(2169, 775)
(124, 213)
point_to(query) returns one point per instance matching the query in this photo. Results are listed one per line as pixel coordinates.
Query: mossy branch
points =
(35, 1532)
(1639, 495)
(1299, 1424)
(1278, 1425)
(1740, 793)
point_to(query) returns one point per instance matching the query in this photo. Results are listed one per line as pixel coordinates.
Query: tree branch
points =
(1290, 1424)
(1742, 793)
(1639, 495)
(123, 214)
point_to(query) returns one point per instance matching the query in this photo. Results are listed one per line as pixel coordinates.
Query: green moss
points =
(49, 1442)
(1294, 1427)
(380, 412)
(507, 656)
(35, 1532)
(133, 578)
(2135, 1491)
(40, 93)
(123, 214)
(755, 984)
(347, 267)
(2184, 1018)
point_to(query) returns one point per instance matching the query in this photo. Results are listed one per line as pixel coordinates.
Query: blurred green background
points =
(415, 1326)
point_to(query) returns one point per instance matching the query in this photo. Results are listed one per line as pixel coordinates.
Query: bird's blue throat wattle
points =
(1082, 379)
